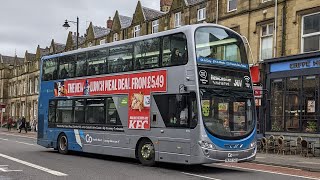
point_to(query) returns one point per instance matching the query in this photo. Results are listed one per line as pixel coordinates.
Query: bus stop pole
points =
(1, 117)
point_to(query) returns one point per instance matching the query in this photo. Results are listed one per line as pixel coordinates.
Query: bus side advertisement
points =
(138, 86)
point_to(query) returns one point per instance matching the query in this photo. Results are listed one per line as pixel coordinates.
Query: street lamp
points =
(66, 25)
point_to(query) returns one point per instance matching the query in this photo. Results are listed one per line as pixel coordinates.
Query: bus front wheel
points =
(63, 144)
(146, 153)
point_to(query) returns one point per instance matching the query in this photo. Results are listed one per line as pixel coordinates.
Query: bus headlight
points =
(253, 144)
(206, 145)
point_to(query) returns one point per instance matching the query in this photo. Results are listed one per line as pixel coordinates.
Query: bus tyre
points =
(63, 144)
(146, 153)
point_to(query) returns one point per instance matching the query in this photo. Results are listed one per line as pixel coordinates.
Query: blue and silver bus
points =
(180, 96)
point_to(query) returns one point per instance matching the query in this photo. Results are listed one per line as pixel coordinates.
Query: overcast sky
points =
(25, 24)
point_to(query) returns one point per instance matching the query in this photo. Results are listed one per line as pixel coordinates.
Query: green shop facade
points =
(292, 99)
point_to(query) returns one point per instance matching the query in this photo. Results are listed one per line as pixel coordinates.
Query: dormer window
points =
(177, 19)
(201, 14)
(232, 5)
(136, 32)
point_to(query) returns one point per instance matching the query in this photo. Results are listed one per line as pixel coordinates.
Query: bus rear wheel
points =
(146, 153)
(63, 144)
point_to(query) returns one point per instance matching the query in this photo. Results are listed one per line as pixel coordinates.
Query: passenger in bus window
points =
(173, 119)
(100, 69)
(213, 52)
(63, 72)
(92, 70)
(226, 125)
(185, 57)
(176, 57)
(184, 116)
(55, 74)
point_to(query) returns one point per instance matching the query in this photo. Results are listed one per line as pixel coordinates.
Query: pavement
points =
(290, 161)
(14, 131)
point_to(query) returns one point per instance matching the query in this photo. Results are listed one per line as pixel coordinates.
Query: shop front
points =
(293, 95)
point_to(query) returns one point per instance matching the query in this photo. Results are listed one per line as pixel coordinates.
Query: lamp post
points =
(66, 25)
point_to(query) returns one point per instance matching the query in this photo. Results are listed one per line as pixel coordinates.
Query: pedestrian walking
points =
(18, 123)
(23, 124)
(9, 123)
(32, 125)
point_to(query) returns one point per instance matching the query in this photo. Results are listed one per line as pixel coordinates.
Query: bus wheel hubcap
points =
(146, 151)
(63, 143)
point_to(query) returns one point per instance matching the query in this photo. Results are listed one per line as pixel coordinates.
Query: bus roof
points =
(148, 36)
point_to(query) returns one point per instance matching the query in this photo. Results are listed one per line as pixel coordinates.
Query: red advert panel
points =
(138, 86)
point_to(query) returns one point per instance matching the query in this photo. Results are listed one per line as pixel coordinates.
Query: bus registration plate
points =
(231, 160)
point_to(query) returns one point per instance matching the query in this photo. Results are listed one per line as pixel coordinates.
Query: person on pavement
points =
(23, 124)
(9, 124)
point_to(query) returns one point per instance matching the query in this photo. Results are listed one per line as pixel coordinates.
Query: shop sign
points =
(138, 86)
(292, 65)
(257, 91)
(311, 106)
(257, 101)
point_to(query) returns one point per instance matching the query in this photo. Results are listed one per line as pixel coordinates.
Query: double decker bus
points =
(180, 96)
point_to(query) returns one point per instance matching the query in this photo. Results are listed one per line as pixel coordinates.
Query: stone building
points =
(273, 28)
(23, 86)
(6, 64)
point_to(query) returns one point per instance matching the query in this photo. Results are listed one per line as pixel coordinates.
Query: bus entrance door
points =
(174, 145)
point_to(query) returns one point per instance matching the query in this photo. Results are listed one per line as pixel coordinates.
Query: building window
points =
(23, 109)
(311, 32)
(25, 87)
(263, 1)
(155, 26)
(102, 41)
(30, 86)
(177, 19)
(36, 85)
(201, 14)
(266, 43)
(136, 32)
(115, 37)
(232, 5)
(35, 109)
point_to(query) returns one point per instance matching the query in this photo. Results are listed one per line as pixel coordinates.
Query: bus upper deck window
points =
(49, 70)
(174, 50)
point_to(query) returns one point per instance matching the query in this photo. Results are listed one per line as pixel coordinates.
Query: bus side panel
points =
(43, 139)
(101, 142)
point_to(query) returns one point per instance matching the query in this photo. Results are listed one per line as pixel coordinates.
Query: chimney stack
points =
(165, 5)
(109, 23)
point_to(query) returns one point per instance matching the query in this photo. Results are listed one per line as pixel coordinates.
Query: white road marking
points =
(271, 172)
(50, 171)
(196, 175)
(17, 135)
(6, 169)
(26, 143)
(19, 142)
